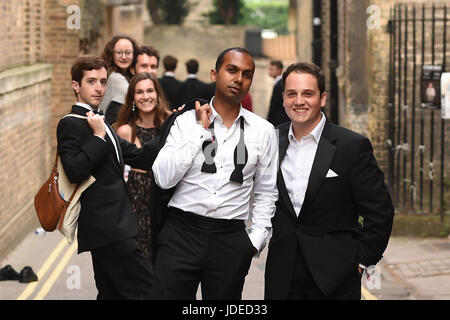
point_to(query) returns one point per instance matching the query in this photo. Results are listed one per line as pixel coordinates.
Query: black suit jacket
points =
(159, 198)
(106, 216)
(171, 88)
(193, 88)
(327, 229)
(277, 115)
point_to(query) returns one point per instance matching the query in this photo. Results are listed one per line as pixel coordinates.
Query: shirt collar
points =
(242, 113)
(316, 133)
(84, 105)
(278, 78)
(169, 73)
(191, 76)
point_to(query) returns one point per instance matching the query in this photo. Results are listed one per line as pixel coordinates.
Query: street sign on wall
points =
(430, 86)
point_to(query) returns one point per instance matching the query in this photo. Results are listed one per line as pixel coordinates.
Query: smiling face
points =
(92, 87)
(146, 63)
(123, 53)
(303, 102)
(234, 77)
(145, 96)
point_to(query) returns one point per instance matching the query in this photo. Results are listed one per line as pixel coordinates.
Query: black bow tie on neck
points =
(98, 111)
(209, 148)
(240, 157)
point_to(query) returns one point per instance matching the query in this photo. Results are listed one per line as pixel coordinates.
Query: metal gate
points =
(418, 137)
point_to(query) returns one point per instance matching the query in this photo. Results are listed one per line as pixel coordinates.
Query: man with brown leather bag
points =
(106, 225)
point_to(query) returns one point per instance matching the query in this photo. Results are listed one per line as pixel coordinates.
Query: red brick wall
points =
(37, 52)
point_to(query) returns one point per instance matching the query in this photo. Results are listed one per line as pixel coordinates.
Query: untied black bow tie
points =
(240, 156)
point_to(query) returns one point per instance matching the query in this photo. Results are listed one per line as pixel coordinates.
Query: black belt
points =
(201, 224)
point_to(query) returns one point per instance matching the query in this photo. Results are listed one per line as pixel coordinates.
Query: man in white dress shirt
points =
(215, 171)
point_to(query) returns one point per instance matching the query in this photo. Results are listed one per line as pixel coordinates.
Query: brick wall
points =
(21, 33)
(24, 147)
(38, 50)
(61, 49)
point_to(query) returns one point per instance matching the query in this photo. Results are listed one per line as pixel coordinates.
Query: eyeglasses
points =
(120, 53)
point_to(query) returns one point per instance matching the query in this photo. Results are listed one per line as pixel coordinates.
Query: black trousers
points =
(304, 286)
(122, 272)
(193, 249)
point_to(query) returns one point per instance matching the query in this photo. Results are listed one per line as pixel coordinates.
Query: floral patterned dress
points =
(139, 188)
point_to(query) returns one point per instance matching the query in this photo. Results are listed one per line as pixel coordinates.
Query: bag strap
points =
(74, 115)
(61, 220)
(56, 160)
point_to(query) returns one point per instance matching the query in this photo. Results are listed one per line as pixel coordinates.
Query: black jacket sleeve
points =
(80, 151)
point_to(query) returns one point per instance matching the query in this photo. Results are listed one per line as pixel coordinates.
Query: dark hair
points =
(307, 67)
(219, 60)
(86, 63)
(126, 113)
(108, 55)
(277, 63)
(192, 66)
(150, 51)
(170, 63)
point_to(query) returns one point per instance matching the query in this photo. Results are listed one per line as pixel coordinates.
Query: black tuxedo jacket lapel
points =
(121, 164)
(282, 191)
(322, 161)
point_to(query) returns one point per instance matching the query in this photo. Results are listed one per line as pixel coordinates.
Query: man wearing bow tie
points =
(328, 178)
(215, 171)
(106, 225)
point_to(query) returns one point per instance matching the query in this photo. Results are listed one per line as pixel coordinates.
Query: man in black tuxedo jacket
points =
(193, 88)
(328, 178)
(169, 84)
(276, 114)
(106, 225)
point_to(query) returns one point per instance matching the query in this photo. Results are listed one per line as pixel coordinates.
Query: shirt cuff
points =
(258, 239)
(100, 137)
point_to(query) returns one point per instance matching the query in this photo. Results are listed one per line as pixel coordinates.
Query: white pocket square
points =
(331, 174)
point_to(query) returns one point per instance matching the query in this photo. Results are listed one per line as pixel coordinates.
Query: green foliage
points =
(266, 15)
(226, 12)
(168, 11)
(174, 11)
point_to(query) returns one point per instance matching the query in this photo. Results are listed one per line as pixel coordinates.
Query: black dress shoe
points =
(27, 275)
(8, 273)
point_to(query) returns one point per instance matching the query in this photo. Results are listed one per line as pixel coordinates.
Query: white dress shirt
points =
(108, 131)
(213, 195)
(278, 78)
(297, 163)
(169, 74)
